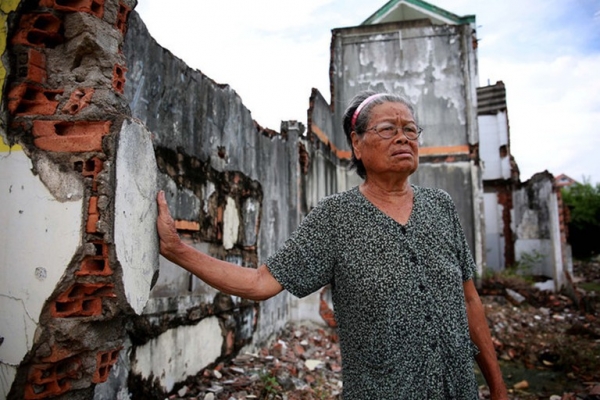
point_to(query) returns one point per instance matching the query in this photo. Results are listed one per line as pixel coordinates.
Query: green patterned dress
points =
(397, 293)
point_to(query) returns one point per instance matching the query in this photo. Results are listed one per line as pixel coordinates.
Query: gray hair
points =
(362, 119)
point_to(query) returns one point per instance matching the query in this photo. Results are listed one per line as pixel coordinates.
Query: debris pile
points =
(302, 363)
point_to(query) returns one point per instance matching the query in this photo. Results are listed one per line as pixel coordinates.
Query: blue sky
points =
(272, 52)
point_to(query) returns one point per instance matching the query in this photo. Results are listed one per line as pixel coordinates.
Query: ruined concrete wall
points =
(538, 246)
(234, 190)
(71, 199)
(434, 66)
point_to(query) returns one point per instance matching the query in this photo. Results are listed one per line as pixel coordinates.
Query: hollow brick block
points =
(119, 78)
(94, 7)
(122, 16)
(81, 300)
(49, 380)
(104, 362)
(80, 99)
(93, 215)
(39, 30)
(28, 99)
(96, 265)
(90, 169)
(31, 66)
(70, 136)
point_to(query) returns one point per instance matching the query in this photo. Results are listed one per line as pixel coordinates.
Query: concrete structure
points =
(524, 222)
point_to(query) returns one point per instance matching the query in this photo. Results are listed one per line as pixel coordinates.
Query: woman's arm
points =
(480, 335)
(254, 284)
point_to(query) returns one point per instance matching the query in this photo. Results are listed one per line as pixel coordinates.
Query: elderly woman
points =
(410, 319)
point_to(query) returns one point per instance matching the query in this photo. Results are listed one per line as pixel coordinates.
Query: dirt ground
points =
(548, 345)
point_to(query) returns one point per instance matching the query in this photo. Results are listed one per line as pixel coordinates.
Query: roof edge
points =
(458, 20)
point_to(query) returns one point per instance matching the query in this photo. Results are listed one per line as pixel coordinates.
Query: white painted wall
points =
(179, 352)
(231, 224)
(39, 235)
(493, 133)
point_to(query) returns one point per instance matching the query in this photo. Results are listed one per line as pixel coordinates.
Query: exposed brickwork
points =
(104, 362)
(182, 225)
(70, 136)
(82, 300)
(94, 7)
(325, 311)
(49, 380)
(505, 199)
(80, 99)
(90, 169)
(39, 30)
(98, 264)
(119, 78)
(93, 215)
(122, 17)
(59, 72)
(28, 99)
(31, 66)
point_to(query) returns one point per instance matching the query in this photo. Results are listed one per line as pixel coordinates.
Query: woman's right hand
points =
(168, 237)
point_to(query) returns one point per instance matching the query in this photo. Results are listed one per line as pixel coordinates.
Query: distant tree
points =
(583, 201)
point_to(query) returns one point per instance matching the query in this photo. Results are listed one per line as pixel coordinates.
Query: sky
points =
(273, 52)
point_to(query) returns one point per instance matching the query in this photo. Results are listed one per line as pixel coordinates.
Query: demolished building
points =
(97, 117)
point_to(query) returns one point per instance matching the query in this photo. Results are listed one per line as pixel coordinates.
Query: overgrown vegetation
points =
(583, 201)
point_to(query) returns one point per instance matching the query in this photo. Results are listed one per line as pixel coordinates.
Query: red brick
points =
(119, 78)
(70, 136)
(97, 264)
(80, 99)
(93, 215)
(94, 7)
(49, 380)
(91, 168)
(81, 300)
(122, 16)
(104, 362)
(31, 66)
(39, 30)
(326, 312)
(182, 225)
(27, 99)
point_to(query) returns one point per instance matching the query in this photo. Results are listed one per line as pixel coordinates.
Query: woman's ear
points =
(356, 144)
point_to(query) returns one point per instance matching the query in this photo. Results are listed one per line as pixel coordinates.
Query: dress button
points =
(403, 229)
(421, 287)
(414, 259)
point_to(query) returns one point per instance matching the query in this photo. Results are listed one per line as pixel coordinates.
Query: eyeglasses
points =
(386, 130)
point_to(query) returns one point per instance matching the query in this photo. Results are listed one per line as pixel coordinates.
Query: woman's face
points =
(396, 155)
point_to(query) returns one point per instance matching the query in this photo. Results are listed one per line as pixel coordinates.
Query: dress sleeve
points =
(305, 262)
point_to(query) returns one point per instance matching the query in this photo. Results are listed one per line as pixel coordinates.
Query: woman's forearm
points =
(480, 335)
(249, 283)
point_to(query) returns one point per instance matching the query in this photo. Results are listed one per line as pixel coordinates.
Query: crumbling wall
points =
(71, 273)
(538, 245)
(234, 189)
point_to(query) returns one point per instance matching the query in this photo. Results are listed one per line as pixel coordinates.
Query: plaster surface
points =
(40, 236)
(136, 240)
(179, 352)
